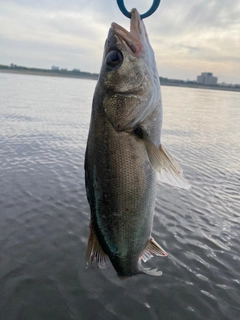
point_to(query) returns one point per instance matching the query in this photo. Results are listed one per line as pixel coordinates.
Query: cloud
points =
(188, 37)
(209, 27)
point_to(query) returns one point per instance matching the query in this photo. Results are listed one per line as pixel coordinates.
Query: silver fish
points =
(124, 154)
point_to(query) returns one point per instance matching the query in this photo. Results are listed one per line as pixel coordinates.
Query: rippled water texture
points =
(44, 212)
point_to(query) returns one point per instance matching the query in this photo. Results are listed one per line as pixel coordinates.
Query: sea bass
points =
(124, 154)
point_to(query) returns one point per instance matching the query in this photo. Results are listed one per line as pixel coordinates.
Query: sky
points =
(188, 36)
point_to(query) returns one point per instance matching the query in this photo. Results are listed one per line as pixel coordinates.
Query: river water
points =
(44, 214)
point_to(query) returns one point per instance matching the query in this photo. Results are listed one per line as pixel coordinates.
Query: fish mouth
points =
(132, 39)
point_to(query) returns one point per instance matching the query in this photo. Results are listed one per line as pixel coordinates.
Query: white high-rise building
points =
(54, 68)
(207, 78)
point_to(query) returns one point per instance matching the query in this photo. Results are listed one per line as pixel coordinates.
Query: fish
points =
(124, 156)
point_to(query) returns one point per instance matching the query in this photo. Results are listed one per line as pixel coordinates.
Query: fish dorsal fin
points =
(163, 162)
(152, 248)
(95, 252)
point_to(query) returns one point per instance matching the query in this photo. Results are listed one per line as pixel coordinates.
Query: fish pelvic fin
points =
(95, 253)
(148, 271)
(152, 248)
(163, 162)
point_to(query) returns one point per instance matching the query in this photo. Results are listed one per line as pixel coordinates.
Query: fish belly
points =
(121, 191)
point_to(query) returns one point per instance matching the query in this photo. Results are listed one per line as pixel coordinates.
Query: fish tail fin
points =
(152, 248)
(95, 252)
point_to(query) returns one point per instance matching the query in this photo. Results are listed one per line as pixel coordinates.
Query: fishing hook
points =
(143, 16)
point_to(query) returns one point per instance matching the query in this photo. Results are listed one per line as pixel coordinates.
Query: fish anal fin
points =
(95, 253)
(152, 248)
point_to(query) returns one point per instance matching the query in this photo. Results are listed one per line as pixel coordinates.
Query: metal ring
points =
(143, 16)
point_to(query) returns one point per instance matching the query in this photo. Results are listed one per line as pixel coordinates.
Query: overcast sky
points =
(188, 36)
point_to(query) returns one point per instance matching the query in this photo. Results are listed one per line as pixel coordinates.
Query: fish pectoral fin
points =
(152, 248)
(95, 252)
(162, 161)
(171, 172)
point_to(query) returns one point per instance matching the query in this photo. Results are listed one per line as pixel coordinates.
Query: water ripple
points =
(45, 215)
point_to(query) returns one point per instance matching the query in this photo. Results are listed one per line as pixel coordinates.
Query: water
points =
(44, 213)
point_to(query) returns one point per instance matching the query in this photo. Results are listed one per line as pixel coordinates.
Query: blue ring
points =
(143, 16)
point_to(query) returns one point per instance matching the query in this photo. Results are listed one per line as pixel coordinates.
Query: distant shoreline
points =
(95, 77)
(196, 86)
(50, 74)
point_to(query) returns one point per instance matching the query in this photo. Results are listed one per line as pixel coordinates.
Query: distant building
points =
(76, 70)
(207, 78)
(224, 84)
(175, 80)
(55, 68)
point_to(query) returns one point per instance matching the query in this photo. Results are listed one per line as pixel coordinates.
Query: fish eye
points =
(114, 59)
